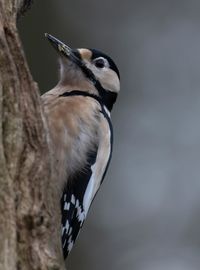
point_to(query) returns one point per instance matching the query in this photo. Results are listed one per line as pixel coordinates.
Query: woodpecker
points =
(80, 129)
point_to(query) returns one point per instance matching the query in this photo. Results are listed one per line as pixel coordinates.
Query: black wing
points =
(73, 214)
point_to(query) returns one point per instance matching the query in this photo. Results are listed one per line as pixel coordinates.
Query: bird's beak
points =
(69, 53)
(64, 50)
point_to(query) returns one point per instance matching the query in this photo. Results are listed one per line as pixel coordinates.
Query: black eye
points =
(99, 63)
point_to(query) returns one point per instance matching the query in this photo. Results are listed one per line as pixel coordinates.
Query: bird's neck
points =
(84, 86)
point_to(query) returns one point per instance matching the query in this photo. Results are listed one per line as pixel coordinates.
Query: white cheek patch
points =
(110, 81)
(107, 78)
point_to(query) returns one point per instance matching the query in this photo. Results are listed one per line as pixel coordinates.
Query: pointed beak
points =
(64, 50)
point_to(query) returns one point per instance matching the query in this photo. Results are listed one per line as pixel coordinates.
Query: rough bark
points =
(29, 216)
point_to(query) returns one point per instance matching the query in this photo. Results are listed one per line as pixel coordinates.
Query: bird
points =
(80, 130)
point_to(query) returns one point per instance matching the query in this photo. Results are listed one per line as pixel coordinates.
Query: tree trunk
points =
(29, 213)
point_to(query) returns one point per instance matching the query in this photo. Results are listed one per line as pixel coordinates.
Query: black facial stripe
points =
(96, 54)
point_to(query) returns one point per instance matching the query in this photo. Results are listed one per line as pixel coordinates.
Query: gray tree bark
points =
(29, 214)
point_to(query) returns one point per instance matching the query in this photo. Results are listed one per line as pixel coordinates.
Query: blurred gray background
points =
(147, 214)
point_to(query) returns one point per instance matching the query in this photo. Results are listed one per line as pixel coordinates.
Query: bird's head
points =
(81, 67)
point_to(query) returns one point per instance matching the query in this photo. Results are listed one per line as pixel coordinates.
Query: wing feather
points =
(73, 212)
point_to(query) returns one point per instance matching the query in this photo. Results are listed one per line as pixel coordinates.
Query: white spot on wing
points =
(70, 231)
(70, 244)
(80, 213)
(73, 199)
(77, 203)
(65, 227)
(66, 206)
